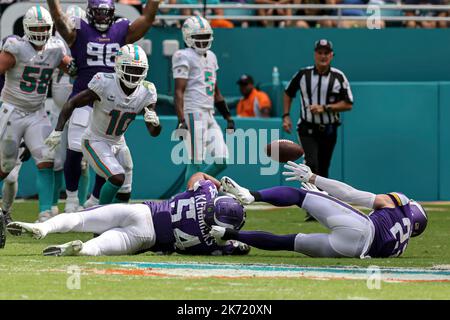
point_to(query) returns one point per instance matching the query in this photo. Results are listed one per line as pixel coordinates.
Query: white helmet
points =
(194, 29)
(131, 65)
(76, 11)
(35, 17)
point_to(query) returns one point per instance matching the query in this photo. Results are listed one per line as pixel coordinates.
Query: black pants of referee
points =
(318, 142)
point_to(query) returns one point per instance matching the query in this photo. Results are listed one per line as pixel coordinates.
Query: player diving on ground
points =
(181, 225)
(384, 233)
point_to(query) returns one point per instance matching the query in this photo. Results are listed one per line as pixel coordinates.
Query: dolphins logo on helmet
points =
(226, 212)
(197, 34)
(38, 25)
(131, 65)
(100, 14)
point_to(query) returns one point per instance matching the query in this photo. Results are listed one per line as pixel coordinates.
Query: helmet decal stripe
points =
(39, 12)
(201, 22)
(136, 52)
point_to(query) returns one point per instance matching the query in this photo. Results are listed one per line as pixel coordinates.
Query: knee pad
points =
(9, 151)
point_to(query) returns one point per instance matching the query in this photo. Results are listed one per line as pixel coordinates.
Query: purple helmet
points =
(226, 212)
(100, 14)
(420, 218)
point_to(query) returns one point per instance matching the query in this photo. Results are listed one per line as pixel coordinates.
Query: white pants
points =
(109, 159)
(351, 231)
(123, 228)
(34, 128)
(205, 136)
(77, 125)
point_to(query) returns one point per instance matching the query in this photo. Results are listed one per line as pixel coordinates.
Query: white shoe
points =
(71, 248)
(54, 211)
(91, 202)
(218, 232)
(72, 205)
(44, 216)
(241, 193)
(21, 228)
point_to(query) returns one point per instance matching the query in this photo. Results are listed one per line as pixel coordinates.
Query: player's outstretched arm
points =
(152, 120)
(68, 66)
(142, 24)
(221, 105)
(62, 22)
(201, 176)
(340, 190)
(86, 97)
(7, 61)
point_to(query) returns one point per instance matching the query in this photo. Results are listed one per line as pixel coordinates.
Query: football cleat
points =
(241, 193)
(72, 205)
(23, 228)
(91, 202)
(71, 248)
(54, 211)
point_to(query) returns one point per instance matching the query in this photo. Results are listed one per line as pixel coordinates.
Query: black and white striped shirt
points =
(324, 89)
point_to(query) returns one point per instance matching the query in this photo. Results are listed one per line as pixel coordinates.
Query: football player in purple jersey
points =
(384, 233)
(93, 45)
(181, 224)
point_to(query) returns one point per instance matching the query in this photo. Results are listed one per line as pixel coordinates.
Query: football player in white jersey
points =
(117, 99)
(62, 85)
(28, 64)
(196, 95)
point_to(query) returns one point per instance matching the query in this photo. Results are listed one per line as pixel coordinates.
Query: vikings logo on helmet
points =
(226, 212)
(100, 14)
(420, 218)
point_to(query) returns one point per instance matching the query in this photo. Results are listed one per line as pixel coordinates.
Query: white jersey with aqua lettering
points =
(112, 115)
(201, 74)
(26, 84)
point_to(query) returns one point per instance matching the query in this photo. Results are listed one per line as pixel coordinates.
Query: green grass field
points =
(26, 274)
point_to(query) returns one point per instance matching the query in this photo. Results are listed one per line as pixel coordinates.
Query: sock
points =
(215, 169)
(99, 182)
(108, 192)
(281, 196)
(72, 169)
(263, 240)
(83, 186)
(9, 191)
(59, 180)
(45, 183)
(72, 194)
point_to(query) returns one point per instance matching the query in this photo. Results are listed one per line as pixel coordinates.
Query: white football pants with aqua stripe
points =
(109, 159)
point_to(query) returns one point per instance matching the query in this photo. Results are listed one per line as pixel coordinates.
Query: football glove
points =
(299, 171)
(72, 68)
(53, 140)
(151, 117)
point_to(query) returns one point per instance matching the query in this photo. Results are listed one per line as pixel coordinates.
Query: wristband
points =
(285, 115)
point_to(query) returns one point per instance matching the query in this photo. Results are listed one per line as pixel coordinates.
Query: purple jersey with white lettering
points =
(393, 228)
(94, 51)
(182, 217)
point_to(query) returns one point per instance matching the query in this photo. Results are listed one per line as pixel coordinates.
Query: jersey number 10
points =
(119, 122)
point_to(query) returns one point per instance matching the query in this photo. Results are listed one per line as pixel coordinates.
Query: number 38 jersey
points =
(115, 111)
(95, 51)
(393, 228)
(201, 74)
(26, 84)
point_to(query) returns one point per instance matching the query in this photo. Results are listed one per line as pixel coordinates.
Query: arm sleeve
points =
(345, 91)
(294, 85)
(180, 66)
(345, 192)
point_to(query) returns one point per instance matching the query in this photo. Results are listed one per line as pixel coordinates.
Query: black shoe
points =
(8, 218)
(2, 230)
(309, 218)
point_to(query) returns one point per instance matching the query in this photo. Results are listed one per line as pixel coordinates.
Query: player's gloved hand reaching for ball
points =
(299, 172)
(53, 140)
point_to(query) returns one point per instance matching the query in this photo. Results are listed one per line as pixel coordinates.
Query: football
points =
(287, 150)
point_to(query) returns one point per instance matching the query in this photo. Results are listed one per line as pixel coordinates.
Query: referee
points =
(325, 92)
